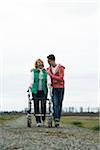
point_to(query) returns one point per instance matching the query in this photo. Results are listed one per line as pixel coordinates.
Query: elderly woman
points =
(40, 82)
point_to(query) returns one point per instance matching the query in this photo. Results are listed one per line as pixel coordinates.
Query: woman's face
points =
(39, 64)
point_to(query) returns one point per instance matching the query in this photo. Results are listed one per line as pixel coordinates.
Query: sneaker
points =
(38, 124)
(57, 123)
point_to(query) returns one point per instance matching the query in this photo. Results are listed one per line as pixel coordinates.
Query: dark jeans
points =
(57, 98)
(39, 109)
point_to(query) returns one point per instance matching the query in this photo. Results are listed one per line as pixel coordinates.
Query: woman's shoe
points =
(38, 124)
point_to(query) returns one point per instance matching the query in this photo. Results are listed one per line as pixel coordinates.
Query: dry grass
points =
(86, 122)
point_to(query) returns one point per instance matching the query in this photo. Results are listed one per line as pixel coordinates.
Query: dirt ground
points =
(15, 135)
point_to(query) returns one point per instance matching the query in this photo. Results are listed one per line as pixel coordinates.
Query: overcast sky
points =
(31, 29)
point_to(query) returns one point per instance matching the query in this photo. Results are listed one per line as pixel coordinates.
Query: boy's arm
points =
(61, 74)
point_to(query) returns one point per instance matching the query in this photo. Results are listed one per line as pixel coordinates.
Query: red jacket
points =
(57, 79)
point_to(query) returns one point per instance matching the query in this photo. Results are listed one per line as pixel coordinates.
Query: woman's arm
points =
(31, 78)
(48, 80)
(49, 86)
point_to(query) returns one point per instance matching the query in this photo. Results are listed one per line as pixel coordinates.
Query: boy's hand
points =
(48, 71)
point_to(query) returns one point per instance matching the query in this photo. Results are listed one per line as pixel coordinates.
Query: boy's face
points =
(51, 62)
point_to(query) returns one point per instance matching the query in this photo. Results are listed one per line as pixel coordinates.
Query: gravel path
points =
(15, 135)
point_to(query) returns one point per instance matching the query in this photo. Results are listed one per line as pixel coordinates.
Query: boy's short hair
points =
(51, 57)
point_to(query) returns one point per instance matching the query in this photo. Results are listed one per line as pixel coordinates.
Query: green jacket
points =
(36, 81)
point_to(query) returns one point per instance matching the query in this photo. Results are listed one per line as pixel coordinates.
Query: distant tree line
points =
(67, 110)
(81, 110)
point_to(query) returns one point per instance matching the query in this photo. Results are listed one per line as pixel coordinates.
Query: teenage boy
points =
(56, 72)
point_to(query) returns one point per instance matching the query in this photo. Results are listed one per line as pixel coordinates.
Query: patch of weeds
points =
(96, 128)
(77, 123)
(8, 117)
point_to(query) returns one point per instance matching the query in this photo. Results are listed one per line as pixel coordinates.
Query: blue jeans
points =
(57, 98)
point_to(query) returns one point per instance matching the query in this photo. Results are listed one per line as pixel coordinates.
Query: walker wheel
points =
(50, 122)
(29, 122)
